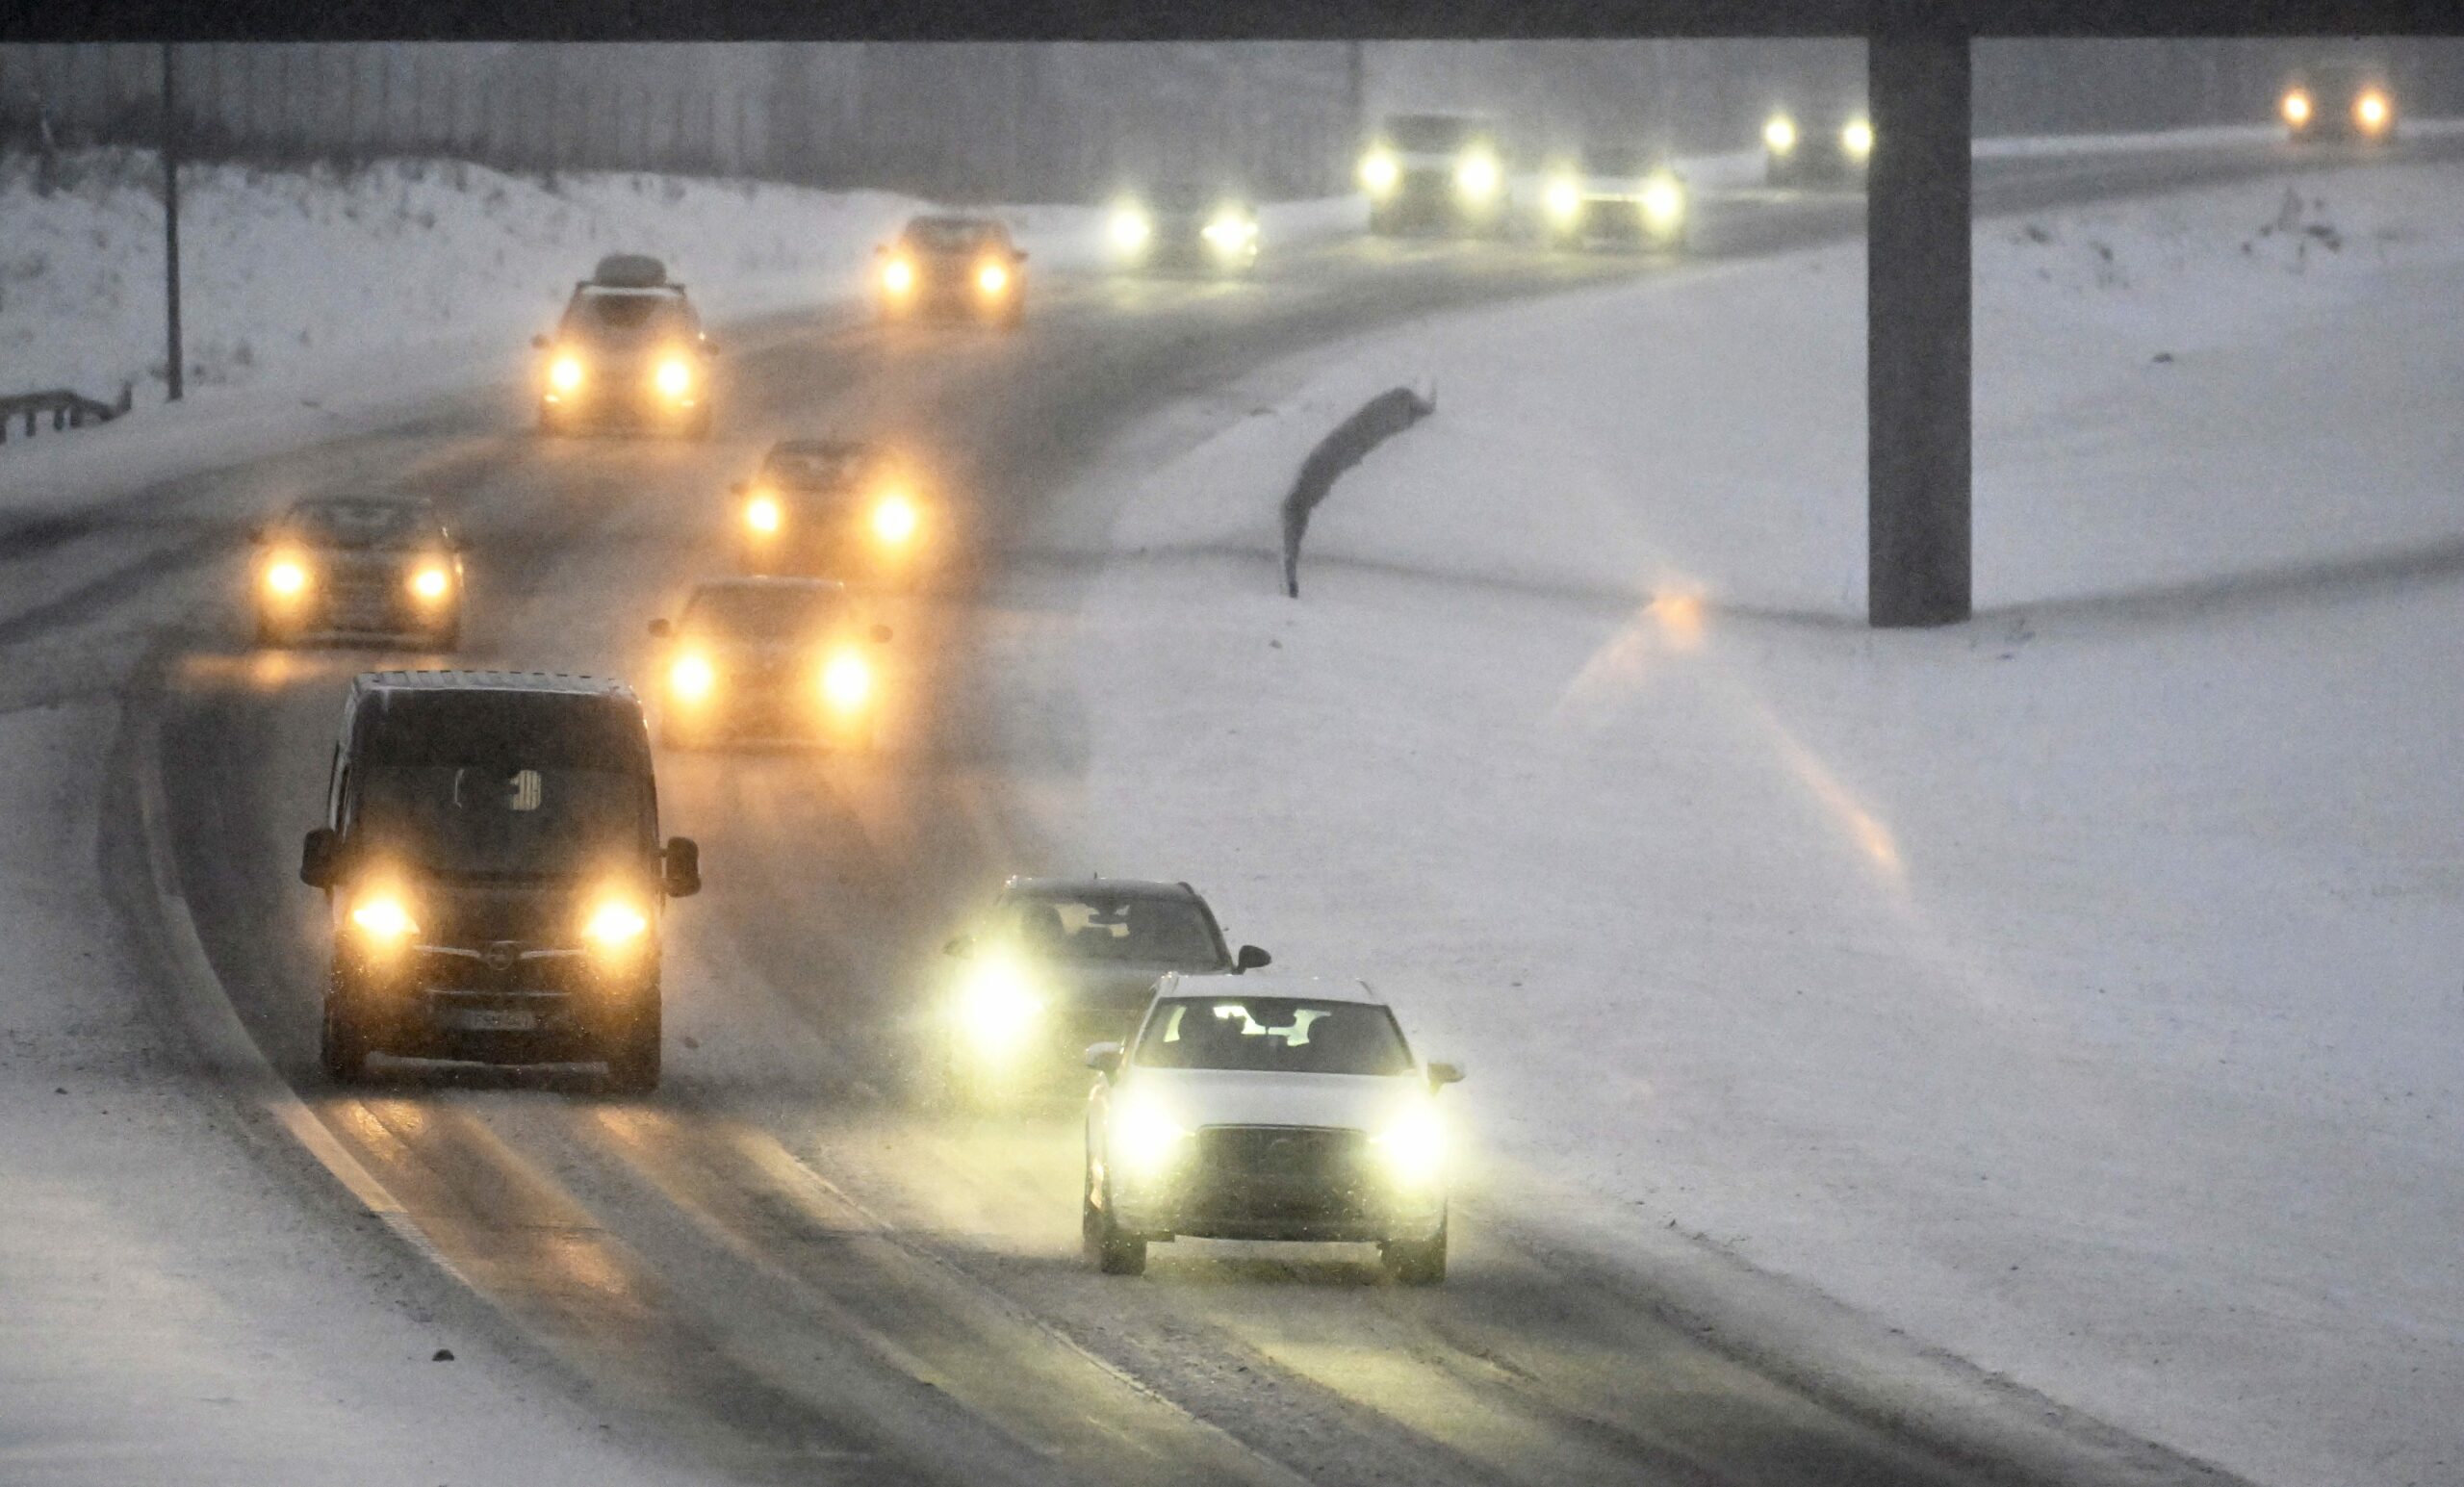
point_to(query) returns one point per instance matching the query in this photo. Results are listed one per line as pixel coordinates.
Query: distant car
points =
(1269, 1108)
(1184, 226)
(491, 861)
(1824, 145)
(1617, 194)
(2349, 101)
(832, 508)
(768, 660)
(357, 566)
(1054, 965)
(629, 352)
(953, 268)
(1445, 171)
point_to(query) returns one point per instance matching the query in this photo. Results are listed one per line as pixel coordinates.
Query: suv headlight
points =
(1144, 1139)
(762, 514)
(997, 1007)
(564, 374)
(430, 582)
(1412, 1150)
(847, 681)
(894, 518)
(287, 578)
(1380, 173)
(673, 378)
(691, 679)
(1477, 175)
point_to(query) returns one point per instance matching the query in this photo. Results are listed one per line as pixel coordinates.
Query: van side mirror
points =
(681, 868)
(960, 947)
(316, 857)
(660, 629)
(1104, 1059)
(880, 635)
(539, 343)
(1251, 958)
(1440, 1075)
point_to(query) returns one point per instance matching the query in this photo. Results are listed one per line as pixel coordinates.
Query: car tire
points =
(633, 1053)
(1415, 1261)
(1112, 1251)
(343, 1042)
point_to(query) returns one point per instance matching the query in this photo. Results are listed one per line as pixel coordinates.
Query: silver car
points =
(1269, 1108)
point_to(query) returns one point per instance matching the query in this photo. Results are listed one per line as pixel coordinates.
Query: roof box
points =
(629, 271)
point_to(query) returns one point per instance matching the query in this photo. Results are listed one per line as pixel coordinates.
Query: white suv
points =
(1267, 1107)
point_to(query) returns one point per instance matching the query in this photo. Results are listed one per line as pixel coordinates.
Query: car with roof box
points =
(629, 352)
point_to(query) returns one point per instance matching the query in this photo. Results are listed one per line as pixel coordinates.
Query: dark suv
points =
(357, 566)
(492, 857)
(629, 351)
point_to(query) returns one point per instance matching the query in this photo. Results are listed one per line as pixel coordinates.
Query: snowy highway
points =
(777, 1269)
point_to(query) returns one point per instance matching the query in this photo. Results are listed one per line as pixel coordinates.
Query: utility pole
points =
(171, 217)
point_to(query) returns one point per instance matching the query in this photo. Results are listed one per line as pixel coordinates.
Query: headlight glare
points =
(383, 919)
(673, 378)
(691, 679)
(2371, 108)
(894, 518)
(1129, 228)
(847, 681)
(1663, 202)
(1412, 1149)
(1142, 1139)
(2296, 107)
(1229, 231)
(997, 1008)
(1780, 134)
(898, 276)
(286, 577)
(1477, 175)
(564, 374)
(430, 582)
(991, 278)
(615, 924)
(1564, 200)
(1380, 173)
(762, 513)
(1856, 138)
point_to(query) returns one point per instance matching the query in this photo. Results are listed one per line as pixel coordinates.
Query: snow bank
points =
(2074, 988)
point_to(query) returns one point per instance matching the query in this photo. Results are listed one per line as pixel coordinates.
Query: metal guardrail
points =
(68, 409)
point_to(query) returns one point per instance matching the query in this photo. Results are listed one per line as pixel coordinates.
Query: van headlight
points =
(615, 923)
(383, 920)
(1412, 1150)
(1477, 175)
(1380, 173)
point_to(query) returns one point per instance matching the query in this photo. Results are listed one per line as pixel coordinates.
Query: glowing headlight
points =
(1857, 139)
(1143, 1139)
(1130, 229)
(1229, 232)
(383, 919)
(762, 513)
(2371, 108)
(2297, 108)
(430, 582)
(991, 278)
(997, 1008)
(1663, 202)
(898, 276)
(894, 518)
(1380, 173)
(1780, 134)
(1412, 1149)
(564, 374)
(615, 924)
(691, 679)
(1564, 201)
(846, 681)
(673, 378)
(1476, 175)
(286, 577)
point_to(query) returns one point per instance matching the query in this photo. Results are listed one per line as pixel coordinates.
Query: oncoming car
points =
(2348, 101)
(492, 861)
(776, 660)
(629, 352)
(1185, 227)
(1616, 194)
(1054, 965)
(954, 268)
(357, 566)
(832, 508)
(1441, 171)
(1818, 147)
(1273, 1108)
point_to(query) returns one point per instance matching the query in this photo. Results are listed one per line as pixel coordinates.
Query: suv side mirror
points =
(660, 629)
(1104, 1059)
(739, 487)
(960, 947)
(316, 857)
(1018, 257)
(539, 343)
(881, 249)
(1250, 958)
(880, 635)
(1440, 1075)
(257, 531)
(681, 868)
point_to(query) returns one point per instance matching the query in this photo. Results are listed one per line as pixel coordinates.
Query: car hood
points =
(1127, 984)
(1205, 1098)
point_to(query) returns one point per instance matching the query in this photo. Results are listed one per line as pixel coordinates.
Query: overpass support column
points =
(1918, 317)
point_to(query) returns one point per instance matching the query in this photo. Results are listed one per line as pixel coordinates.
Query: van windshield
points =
(491, 818)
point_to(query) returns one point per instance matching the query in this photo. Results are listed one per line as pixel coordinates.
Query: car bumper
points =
(457, 1002)
(1290, 1209)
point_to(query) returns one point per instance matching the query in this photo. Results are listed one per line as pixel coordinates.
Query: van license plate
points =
(490, 1020)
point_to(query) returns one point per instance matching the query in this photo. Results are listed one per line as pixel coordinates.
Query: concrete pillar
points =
(1917, 319)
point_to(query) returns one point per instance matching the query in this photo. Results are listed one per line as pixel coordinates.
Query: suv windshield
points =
(1432, 131)
(1273, 1035)
(1123, 927)
(630, 313)
(759, 612)
(950, 234)
(361, 524)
